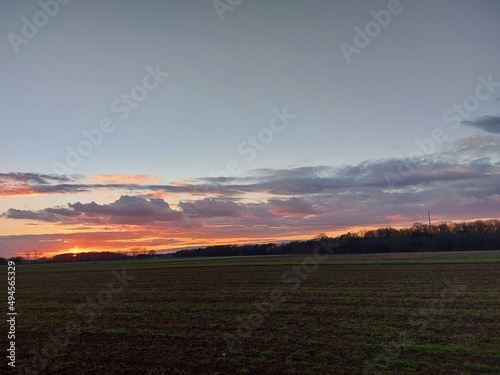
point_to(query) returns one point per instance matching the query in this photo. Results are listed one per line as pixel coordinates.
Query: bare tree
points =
(138, 250)
(321, 236)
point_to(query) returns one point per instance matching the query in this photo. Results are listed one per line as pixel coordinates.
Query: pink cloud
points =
(398, 217)
(123, 179)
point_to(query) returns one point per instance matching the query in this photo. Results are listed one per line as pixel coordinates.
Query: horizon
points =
(134, 252)
(188, 125)
(359, 232)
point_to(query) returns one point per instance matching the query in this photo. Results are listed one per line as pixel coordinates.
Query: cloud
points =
(129, 210)
(122, 179)
(29, 178)
(43, 215)
(475, 154)
(292, 206)
(459, 183)
(126, 210)
(212, 208)
(19, 184)
(490, 124)
(397, 217)
(62, 212)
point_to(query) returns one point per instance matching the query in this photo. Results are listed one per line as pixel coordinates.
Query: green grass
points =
(269, 260)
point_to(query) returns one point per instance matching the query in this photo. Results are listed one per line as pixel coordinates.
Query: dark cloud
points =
(19, 184)
(212, 208)
(129, 210)
(43, 215)
(293, 205)
(62, 189)
(32, 178)
(62, 212)
(490, 124)
(126, 210)
(259, 211)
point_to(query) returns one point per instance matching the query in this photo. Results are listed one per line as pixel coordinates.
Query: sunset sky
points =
(173, 124)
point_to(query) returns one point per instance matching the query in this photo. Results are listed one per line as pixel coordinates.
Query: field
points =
(387, 314)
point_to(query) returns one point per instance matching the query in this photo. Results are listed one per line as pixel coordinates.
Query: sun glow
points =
(76, 250)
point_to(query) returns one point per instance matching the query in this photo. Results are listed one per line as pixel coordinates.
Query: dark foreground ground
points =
(260, 315)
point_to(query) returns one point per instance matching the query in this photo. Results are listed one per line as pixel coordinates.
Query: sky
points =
(169, 124)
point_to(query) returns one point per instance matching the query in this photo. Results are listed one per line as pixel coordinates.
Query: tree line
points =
(466, 236)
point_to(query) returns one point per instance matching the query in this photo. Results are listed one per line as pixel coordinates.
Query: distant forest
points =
(469, 236)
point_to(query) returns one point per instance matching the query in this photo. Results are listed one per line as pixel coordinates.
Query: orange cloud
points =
(123, 179)
(28, 184)
(186, 181)
(16, 190)
(397, 217)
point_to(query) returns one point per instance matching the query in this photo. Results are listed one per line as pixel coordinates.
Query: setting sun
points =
(76, 250)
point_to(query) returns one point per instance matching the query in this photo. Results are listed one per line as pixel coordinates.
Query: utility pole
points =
(429, 215)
